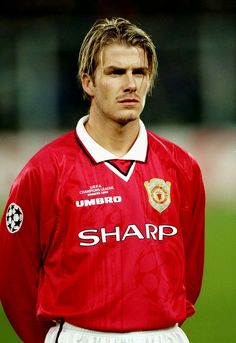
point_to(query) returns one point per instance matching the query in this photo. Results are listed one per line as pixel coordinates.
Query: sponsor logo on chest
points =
(90, 237)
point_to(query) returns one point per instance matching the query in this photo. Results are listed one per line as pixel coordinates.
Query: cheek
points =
(107, 91)
(143, 95)
(143, 101)
(145, 86)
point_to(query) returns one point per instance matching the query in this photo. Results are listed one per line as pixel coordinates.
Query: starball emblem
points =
(158, 193)
(14, 218)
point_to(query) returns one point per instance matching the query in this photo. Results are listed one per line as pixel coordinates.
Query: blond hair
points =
(109, 31)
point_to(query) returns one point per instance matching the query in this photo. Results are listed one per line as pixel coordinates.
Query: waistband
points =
(70, 327)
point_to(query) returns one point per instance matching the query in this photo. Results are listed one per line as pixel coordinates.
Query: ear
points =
(87, 84)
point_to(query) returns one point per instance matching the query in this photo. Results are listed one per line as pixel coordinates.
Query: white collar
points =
(137, 152)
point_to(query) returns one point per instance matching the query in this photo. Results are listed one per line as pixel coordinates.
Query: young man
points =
(102, 238)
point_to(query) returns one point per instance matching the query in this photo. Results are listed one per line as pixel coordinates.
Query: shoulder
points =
(50, 157)
(57, 149)
(169, 150)
(59, 145)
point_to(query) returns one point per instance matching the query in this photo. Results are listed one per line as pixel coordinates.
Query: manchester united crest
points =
(158, 193)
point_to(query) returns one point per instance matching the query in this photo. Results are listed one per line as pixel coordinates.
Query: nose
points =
(130, 83)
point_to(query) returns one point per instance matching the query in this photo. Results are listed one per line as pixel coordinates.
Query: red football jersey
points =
(105, 244)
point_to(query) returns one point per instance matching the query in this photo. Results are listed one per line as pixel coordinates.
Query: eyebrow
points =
(122, 69)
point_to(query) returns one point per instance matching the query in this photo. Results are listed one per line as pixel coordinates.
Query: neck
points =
(112, 136)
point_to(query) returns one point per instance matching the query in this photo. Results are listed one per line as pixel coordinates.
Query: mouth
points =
(128, 101)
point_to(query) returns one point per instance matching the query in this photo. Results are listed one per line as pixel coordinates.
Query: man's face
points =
(121, 83)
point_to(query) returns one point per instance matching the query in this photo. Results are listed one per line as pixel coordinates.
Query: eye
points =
(117, 71)
(140, 71)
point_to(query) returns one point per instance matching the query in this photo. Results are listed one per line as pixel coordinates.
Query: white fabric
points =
(137, 152)
(73, 334)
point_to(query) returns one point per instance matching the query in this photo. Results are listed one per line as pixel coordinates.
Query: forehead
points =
(120, 55)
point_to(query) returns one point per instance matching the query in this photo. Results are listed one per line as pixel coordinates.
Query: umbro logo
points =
(98, 201)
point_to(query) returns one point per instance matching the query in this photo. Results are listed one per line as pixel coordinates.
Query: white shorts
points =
(73, 334)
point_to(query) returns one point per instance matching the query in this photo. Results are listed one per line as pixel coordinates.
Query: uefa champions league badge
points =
(14, 218)
(158, 192)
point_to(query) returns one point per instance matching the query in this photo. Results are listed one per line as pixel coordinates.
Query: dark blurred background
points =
(40, 40)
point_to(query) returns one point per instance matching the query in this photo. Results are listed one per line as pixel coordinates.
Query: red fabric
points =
(93, 249)
(122, 165)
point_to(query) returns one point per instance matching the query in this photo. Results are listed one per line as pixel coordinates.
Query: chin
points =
(127, 118)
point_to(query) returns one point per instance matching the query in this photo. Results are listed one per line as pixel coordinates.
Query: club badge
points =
(158, 193)
(14, 218)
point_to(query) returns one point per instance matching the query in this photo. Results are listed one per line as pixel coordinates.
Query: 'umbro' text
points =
(98, 201)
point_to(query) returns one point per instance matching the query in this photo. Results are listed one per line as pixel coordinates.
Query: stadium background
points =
(193, 103)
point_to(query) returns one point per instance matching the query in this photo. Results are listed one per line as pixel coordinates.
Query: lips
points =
(128, 100)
